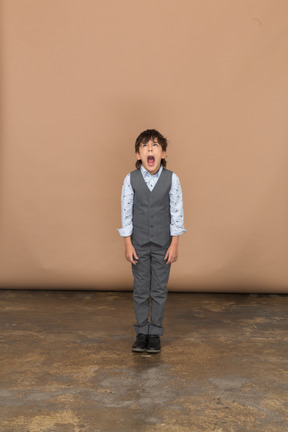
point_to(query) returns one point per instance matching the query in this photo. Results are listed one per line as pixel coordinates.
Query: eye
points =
(155, 144)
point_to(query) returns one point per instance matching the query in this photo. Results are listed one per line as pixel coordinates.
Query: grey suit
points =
(151, 239)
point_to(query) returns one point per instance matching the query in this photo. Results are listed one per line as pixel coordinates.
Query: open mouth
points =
(150, 160)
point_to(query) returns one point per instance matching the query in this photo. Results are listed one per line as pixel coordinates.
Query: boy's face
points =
(151, 154)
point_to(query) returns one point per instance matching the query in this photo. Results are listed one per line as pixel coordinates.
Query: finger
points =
(130, 259)
(171, 260)
(135, 255)
(166, 256)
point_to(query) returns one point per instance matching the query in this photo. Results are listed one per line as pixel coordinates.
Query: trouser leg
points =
(142, 279)
(158, 291)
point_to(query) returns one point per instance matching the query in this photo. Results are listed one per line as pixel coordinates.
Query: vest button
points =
(151, 226)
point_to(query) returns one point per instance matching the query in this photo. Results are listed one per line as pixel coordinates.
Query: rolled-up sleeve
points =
(127, 199)
(176, 208)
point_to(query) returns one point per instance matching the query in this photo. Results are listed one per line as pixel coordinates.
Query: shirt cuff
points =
(126, 231)
(175, 231)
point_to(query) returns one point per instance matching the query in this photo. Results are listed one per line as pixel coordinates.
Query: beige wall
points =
(81, 79)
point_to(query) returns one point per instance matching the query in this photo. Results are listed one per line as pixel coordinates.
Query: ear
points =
(164, 154)
(138, 156)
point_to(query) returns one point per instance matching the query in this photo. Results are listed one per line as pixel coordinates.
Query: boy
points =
(152, 221)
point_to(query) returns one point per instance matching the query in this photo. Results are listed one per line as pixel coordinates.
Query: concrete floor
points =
(67, 365)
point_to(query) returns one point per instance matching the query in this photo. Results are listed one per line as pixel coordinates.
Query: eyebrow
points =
(146, 142)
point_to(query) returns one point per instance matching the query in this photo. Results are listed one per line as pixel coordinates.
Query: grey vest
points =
(151, 210)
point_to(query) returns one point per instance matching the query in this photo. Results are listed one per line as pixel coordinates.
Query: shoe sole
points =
(153, 351)
(138, 350)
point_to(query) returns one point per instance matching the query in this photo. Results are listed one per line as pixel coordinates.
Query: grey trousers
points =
(151, 275)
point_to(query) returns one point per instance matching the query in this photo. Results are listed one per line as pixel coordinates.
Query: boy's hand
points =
(172, 252)
(130, 253)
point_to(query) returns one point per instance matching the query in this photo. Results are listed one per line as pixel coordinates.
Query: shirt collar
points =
(146, 173)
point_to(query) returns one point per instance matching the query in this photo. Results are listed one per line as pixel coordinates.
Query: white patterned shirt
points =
(176, 203)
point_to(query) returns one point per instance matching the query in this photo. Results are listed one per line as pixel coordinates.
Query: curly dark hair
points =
(145, 137)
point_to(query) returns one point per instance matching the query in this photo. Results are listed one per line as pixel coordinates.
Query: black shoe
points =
(140, 343)
(154, 344)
